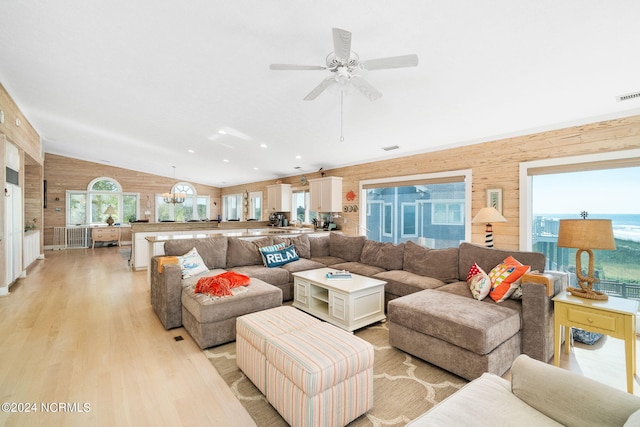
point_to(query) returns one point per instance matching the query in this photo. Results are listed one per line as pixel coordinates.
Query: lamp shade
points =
(488, 216)
(110, 211)
(586, 234)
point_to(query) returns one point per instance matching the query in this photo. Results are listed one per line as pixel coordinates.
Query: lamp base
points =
(588, 293)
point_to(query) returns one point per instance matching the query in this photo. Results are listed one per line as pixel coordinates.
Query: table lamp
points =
(487, 216)
(586, 235)
(110, 211)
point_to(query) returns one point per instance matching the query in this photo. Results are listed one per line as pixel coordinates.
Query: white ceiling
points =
(135, 84)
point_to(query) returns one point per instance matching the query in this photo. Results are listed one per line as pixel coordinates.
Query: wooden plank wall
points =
(494, 164)
(25, 137)
(64, 173)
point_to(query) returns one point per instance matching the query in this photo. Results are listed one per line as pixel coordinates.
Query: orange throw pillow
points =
(505, 278)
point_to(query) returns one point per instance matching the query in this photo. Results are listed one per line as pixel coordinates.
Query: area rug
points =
(404, 386)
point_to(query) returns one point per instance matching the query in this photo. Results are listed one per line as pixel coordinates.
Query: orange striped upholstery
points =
(252, 332)
(319, 376)
(313, 373)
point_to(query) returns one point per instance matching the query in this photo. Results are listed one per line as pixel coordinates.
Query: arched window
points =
(90, 206)
(194, 207)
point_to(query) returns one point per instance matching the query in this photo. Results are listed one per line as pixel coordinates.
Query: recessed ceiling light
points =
(298, 157)
(263, 145)
(255, 169)
(190, 151)
(222, 132)
(226, 160)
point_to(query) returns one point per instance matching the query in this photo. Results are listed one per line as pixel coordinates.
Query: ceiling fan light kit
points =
(345, 65)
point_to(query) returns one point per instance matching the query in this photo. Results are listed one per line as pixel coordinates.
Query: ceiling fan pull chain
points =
(341, 116)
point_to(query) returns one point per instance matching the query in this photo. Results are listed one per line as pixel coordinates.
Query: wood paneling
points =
(494, 164)
(64, 173)
(24, 135)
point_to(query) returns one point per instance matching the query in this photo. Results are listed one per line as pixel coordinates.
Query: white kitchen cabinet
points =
(279, 198)
(326, 194)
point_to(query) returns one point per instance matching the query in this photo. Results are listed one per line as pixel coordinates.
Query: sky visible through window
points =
(613, 194)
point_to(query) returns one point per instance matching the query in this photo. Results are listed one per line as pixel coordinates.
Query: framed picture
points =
(494, 198)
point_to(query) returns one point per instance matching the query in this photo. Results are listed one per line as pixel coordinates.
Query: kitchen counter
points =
(148, 243)
(137, 227)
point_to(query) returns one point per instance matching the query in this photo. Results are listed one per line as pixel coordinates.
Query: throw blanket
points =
(221, 284)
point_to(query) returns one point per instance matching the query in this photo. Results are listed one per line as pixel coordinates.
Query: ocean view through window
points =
(603, 194)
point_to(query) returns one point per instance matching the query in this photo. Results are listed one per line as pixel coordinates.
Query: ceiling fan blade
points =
(364, 87)
(342, 44)
(296, 67)
(319, 89)
(390, 62)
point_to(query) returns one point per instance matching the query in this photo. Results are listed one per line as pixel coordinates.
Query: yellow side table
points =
(615, 317)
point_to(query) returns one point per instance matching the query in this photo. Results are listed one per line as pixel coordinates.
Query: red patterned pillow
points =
(505, 278)
(478, 282)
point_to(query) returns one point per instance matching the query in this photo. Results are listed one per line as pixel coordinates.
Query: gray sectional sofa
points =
(430, 309)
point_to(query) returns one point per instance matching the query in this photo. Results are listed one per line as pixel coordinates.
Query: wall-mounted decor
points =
(351, 196)
(494, 198)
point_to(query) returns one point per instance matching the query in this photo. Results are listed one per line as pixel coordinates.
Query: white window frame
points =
(190, 194)
(526, 181)
(88, 193)
(466, 173)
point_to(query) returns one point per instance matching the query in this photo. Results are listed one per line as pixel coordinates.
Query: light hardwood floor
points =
(80, 329)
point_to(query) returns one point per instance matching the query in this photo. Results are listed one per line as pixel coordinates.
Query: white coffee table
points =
(349, 304)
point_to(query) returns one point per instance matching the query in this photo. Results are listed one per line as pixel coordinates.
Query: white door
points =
(13, 232)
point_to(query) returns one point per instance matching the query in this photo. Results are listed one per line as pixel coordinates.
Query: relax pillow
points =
(478, 282)
(276, 258)
(506, 278)
(270, 248)
(191, 264)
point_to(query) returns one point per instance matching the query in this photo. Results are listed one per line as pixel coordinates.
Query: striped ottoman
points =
(252, 331)
(319, 375)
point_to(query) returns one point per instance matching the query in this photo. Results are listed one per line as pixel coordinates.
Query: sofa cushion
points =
(385, 255)
(213, 250)
(529, 377)
(302, 264)
(328, 261)
(191, 264)
(487, 258)
(441, 264)
(245, 252)
(486, 401)
(276, 276)
(301, 243)
(358, 268)
(277, 257)
(319, 246)
(348, 248)
(461, 321)
(401, 283)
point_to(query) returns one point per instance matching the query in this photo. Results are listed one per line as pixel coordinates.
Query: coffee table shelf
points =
(349, 304)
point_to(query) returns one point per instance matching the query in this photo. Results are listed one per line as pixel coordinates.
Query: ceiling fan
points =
(345, 66)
